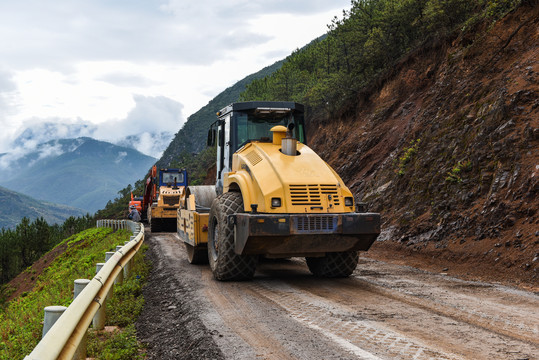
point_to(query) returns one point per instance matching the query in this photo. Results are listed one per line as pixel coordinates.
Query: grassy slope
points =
(20, 319)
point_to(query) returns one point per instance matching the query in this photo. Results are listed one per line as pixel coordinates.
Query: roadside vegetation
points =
(21, 319)
(123, 310)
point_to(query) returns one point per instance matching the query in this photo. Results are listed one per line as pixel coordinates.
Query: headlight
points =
(275, 202)
(348, 201)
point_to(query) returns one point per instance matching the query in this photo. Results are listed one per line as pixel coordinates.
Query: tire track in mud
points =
(236, 313)
(474, 316)
(482, 321)
(365, 339)
(501, 310)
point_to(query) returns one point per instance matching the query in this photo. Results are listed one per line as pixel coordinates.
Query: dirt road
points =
(383, 311)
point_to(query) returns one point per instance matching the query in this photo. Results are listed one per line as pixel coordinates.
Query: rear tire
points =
(196, 255)
(224, 262)
(337, 264)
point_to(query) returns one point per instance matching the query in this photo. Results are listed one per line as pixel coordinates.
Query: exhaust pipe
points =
(289, 145)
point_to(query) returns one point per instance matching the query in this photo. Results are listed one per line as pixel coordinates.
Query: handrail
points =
(63, 338)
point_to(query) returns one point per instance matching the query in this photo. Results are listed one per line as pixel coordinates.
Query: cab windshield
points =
(171, 178)
(256, 124)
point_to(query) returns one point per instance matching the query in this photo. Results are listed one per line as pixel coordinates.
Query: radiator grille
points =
(171, 200)
(312, 194)
(316, 223)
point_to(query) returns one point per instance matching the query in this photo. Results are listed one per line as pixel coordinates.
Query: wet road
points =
(382, 311)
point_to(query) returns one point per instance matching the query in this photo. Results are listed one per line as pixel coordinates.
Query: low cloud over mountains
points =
(148, 128)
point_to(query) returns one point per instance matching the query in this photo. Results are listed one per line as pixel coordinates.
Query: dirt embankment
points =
(448, 150)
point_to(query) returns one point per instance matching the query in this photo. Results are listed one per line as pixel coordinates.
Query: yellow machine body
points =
(192, 225)
(162, 213)
(304, 183)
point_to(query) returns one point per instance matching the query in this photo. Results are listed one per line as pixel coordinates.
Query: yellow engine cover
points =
(168, 202)
(304, 183)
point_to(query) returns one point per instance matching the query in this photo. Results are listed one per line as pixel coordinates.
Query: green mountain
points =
(192, 136)
(14, 206)
(86, 176)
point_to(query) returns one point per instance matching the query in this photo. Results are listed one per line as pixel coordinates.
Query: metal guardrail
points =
(64, 337)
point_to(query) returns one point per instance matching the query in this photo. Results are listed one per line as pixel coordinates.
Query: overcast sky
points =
(132, 66)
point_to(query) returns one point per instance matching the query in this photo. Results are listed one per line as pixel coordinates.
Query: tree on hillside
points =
(9, 261)
(27, 240)
(365, 44)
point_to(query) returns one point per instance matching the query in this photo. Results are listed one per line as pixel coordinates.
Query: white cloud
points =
(121, 156)
(123, 65)
(38, 131)
(150, 115)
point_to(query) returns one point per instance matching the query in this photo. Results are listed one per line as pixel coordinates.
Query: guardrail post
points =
(80, 284)
(98, 322)
(52, 313)
(80, 353)
(127, 269)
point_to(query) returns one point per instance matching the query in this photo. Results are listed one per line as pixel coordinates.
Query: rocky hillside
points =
(446, 147)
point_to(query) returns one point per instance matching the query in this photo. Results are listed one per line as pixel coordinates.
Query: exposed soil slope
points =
(448, 149)
(26, 280)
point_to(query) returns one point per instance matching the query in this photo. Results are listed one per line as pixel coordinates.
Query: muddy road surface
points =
(382, 311)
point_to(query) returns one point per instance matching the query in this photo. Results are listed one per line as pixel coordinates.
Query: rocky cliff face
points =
(447, 147)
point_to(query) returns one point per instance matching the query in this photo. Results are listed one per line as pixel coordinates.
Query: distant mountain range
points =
(46, 133)
(14, 206)
(84, 173)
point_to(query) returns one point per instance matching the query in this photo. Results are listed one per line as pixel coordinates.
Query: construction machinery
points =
(136, 201)
(274, 197)
(162, 198)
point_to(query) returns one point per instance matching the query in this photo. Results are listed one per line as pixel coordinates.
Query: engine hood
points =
(304, 183)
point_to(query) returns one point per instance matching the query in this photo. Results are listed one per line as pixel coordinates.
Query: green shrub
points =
(454, 175)
(408, 155)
